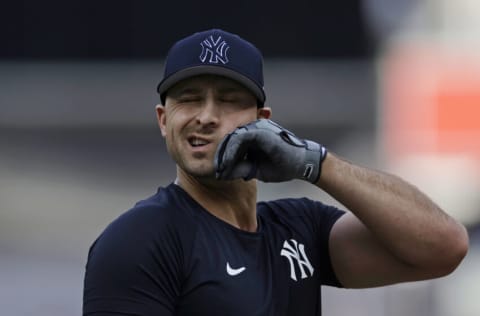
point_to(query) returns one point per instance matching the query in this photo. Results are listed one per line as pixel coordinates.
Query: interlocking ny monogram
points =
(296, 252)
(214, 50)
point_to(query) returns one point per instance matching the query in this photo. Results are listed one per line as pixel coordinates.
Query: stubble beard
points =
(199, 166)
(200, 170)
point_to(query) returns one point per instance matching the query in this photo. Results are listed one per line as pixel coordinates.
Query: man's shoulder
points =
(165, 197)
(163, 204)
(139, 245)
(159, 213)
(158, 219)
(304, 210)
(292, 206)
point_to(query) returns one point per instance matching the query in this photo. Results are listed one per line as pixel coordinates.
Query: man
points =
(204, 246)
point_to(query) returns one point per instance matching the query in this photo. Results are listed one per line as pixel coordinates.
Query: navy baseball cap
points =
(214, 52)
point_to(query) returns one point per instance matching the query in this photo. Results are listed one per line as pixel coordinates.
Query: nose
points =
(209, 112)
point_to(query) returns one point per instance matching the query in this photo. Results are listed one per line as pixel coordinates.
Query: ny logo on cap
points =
(214, 50)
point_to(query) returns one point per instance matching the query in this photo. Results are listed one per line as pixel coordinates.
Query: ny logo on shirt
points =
(295, 252)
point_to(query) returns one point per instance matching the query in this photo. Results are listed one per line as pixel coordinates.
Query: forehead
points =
(204, 82)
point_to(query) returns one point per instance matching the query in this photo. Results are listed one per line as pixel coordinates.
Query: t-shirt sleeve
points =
(134, 268)
(325, 217)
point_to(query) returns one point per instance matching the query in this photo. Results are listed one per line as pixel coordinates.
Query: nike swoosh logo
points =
(233, 272)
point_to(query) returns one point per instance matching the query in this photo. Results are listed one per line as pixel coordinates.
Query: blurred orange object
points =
(430, 102)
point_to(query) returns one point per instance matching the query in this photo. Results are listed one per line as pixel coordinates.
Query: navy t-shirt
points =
(169, 256)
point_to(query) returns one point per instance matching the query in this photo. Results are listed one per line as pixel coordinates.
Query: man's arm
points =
(394, 232)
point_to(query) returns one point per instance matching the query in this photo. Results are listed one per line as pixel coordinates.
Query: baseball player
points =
(203, 245)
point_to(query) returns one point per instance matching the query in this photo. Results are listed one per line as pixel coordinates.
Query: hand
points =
(266, 151)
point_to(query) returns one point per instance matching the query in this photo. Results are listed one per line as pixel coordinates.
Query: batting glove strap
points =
(314, 156)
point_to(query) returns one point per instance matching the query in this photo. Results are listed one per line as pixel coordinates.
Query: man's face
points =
(198, 113)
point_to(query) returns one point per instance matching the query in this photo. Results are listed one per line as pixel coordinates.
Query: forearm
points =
(409, 225)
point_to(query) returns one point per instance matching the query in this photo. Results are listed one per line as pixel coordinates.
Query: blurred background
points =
(393, 85)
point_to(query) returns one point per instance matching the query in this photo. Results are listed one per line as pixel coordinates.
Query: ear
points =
(161, 118)
(264, 113)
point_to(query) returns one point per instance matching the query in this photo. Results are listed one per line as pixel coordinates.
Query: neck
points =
(232, 201)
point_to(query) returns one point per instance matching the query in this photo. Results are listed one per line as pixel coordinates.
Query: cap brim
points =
(170, 81)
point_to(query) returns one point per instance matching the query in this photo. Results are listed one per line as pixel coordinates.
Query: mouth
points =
(198, 142)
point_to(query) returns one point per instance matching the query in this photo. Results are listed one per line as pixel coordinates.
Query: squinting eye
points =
(188, 99)
(237, 102)
(229, 100)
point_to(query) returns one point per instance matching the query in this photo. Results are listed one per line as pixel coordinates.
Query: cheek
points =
(171, 121)
(178, 118)
(174, 128)
(169, 134)
(242, 118)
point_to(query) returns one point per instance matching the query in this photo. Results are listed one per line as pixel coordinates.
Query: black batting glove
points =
(266, 151)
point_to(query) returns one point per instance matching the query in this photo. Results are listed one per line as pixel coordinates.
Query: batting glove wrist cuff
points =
(314, 156)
